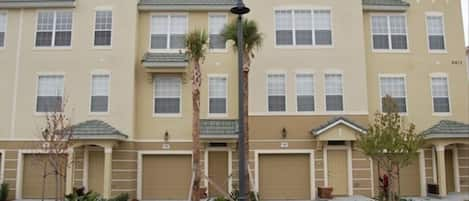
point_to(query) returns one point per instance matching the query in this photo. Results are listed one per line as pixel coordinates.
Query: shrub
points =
(4, 188)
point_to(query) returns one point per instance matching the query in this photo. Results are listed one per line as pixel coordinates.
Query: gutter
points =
(70, 4)
(154, 7)
(385, 8)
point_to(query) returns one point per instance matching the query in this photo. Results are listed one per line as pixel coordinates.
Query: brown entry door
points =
(218, 173)
(337, 171)
(449, 170)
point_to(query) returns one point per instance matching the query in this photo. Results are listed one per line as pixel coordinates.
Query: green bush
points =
(4, 188)
(79, 194)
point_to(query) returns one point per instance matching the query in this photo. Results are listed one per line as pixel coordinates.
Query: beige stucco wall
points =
(75, 63)
(346, 55)
(150, 127)
(418, 64)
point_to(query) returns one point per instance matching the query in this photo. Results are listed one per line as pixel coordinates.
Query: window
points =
(304, 92)
(303, 27)
(3, 28)
(50, 93)
(395, 87)
(389, 32)
(103, 28)
(100, 93)
(217, 87)
(436, 32)
(440, 95)
(168, 31)
(167, 95)
(334, 92)
(217, 23)
(276, 92)
(54, 28)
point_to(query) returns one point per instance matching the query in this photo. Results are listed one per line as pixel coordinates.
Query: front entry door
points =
(449, 170)
(337, 171)
(218, 172)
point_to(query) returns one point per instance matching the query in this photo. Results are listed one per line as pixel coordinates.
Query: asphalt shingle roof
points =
(36, 3)
(218, 127)
(96, 129)
(165, 60)
(447, 129)
(385, 2)
(317, 131)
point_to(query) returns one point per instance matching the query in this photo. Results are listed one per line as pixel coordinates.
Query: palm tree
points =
(196, 43)
(252, 41)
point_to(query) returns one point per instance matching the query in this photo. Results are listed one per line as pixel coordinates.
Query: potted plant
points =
(325, 192)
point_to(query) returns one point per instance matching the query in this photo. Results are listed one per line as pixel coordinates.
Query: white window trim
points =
(100, 72)
(405, 90)
(6, 29)
(102, 47)
(314, 92)
(304, 7)
(334, 72)
(390, 50)
(150, 31)
(217, 115)
(216, 50)
(436, 14)
(440, 75)
(35, 112)
(53, 47)
(267, 91)
(167, 115)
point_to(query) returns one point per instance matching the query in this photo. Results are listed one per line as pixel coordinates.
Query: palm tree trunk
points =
(247, 64)
(196, 82)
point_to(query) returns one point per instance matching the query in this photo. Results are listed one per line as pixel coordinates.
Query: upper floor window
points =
(276, 92)
(436, 32)
(216, 24)
(395, 87)
(54, 28)
(217, 87)
(103, 28)
(3, 28)
(168, 31)
(167, 95)
(304, 92)
(99, 93)
(389, 32)
(303, 27)
(334, 92)
(440, 95)
(50, 91)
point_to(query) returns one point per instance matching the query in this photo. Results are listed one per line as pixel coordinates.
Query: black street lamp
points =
(240, 9)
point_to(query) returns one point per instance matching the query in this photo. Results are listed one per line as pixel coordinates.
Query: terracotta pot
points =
(325, 192)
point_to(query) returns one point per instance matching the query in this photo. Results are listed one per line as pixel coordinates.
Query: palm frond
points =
(252, 37)
(196, 44)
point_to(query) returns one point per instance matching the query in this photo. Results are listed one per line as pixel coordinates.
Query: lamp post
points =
(240, 9)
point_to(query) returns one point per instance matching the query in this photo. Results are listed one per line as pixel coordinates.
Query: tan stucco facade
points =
(302, 149)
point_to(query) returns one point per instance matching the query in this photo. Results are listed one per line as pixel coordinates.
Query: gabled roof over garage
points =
(37, 3)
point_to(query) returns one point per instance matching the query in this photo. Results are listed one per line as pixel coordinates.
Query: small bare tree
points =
(56, 139)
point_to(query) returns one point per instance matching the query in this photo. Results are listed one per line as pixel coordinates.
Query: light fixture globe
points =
(240, 8)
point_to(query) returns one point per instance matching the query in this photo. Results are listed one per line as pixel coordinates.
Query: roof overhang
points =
(37, 4)
(336, 123)
(151, 64)
(201, 7)
(385, 8)
(100, 137)
(446, 136)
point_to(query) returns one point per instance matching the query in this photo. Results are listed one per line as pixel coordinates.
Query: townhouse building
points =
(120, 70)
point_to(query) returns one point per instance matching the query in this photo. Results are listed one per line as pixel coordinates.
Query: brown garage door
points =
(410, 180)
(33, 169)
(284, 177)
(166, 177)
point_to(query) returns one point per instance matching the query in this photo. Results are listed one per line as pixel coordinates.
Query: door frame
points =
(140, 155)
(312, 179)
(230, 165)
(348, 151)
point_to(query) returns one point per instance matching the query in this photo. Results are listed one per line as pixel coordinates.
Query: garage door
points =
(166, 177)
(284, 177)
(33, 169)
(410, 180)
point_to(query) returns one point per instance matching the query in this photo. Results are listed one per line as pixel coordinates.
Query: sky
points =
(465, 11)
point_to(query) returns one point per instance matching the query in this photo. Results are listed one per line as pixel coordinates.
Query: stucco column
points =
(107, 172)
(423, 180)
(69, 172)
(440, 154)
